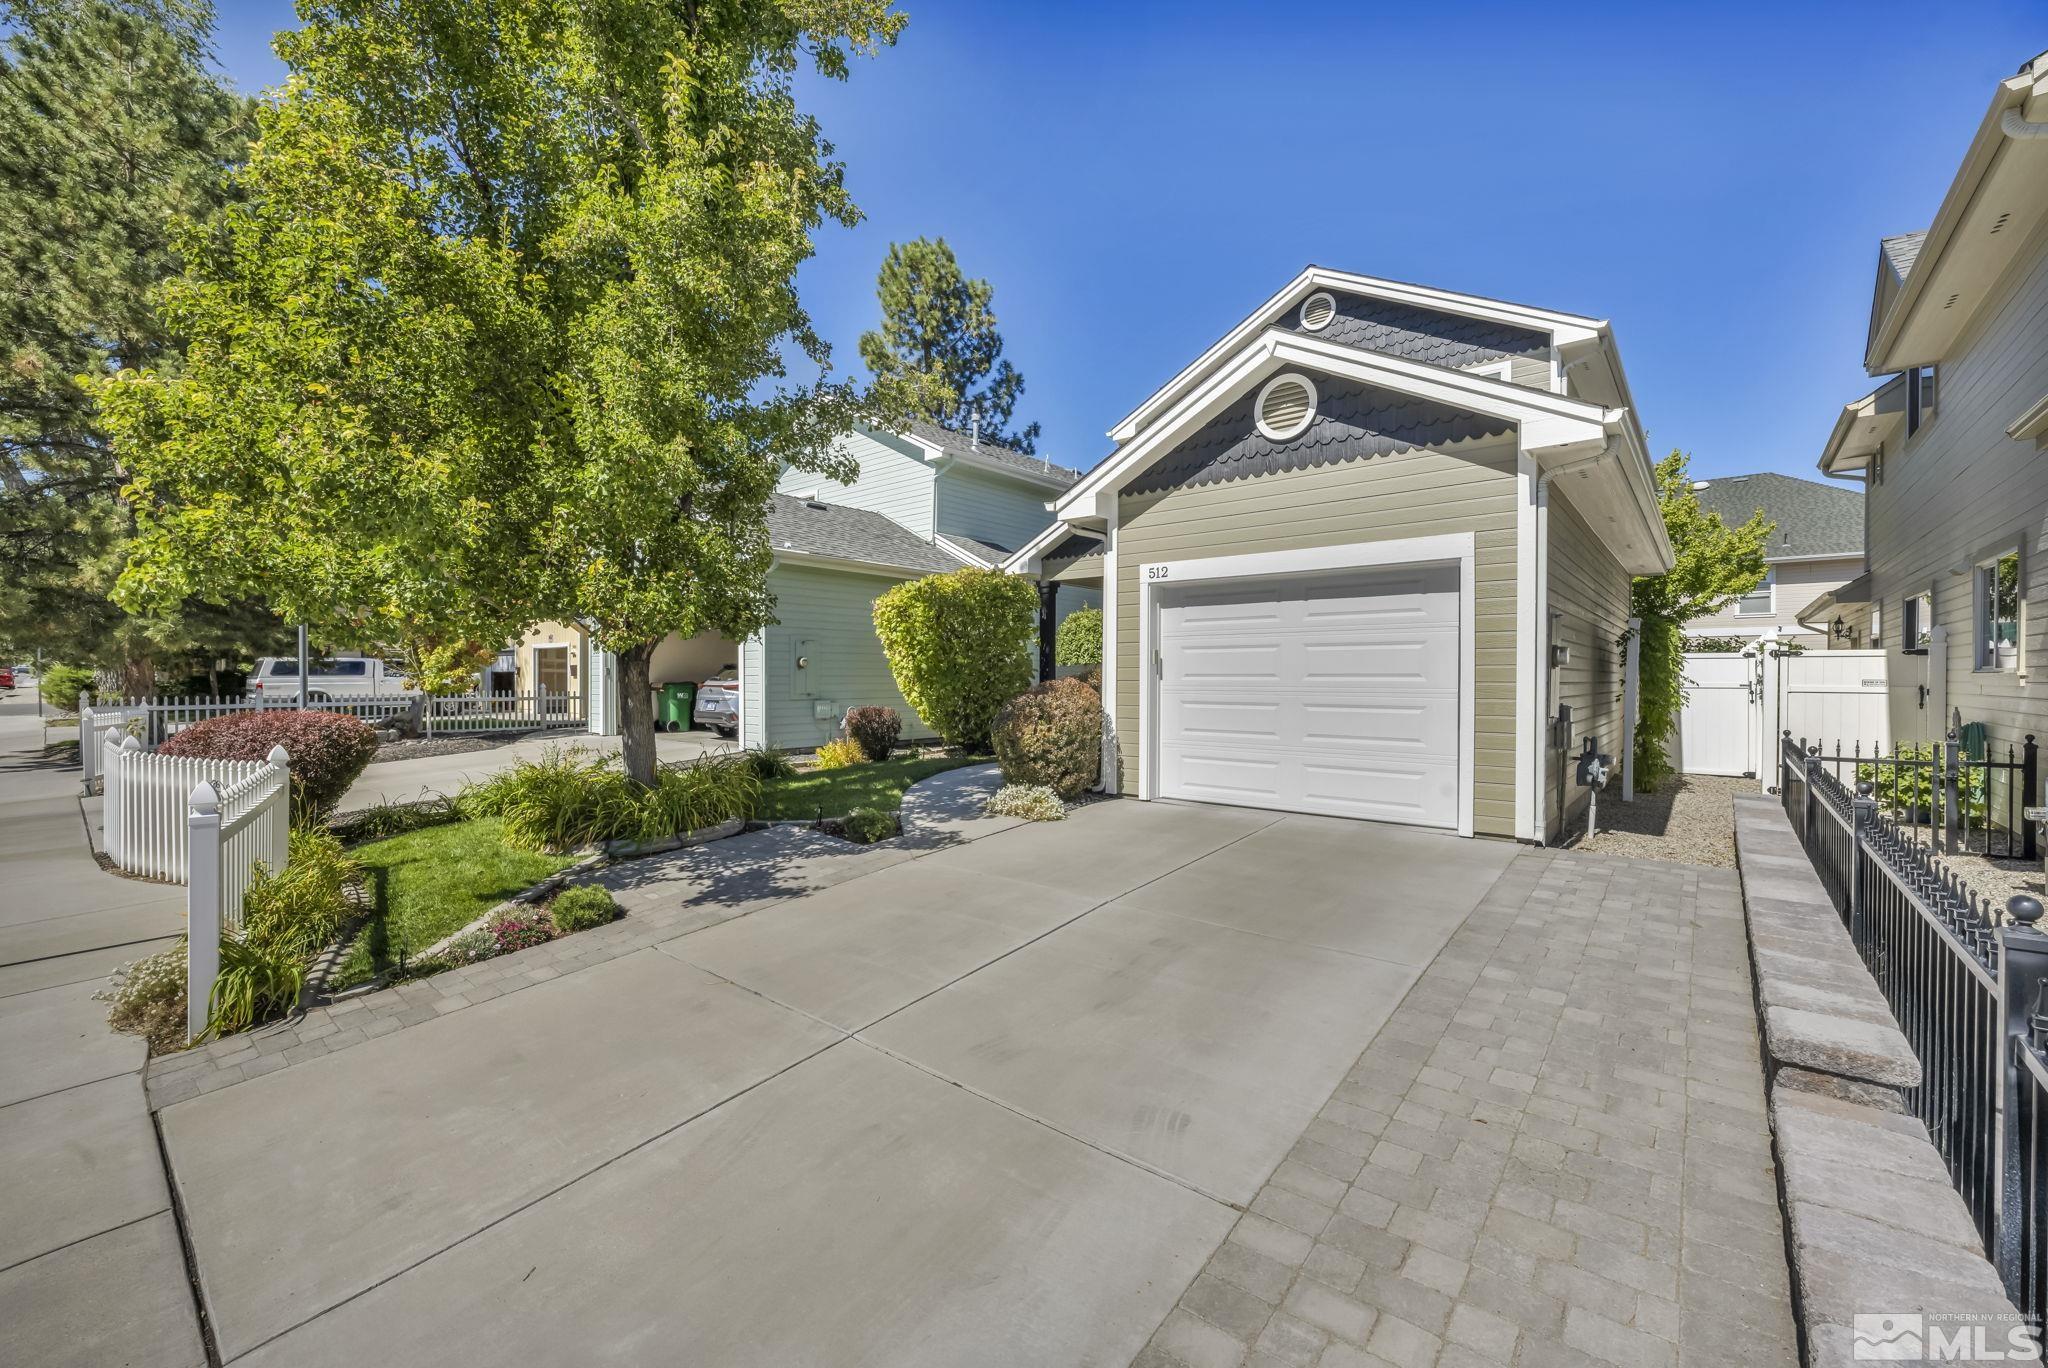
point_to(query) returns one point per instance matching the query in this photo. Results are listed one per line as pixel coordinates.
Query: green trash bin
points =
(677, 702)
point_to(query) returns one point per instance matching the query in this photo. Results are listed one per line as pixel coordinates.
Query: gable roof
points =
(985, 452)
(805, 527)
(1562, 328)
(972, 549)
(1812, 519)
(1902, 251)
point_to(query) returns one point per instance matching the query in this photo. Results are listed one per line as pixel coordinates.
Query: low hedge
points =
(327, 751)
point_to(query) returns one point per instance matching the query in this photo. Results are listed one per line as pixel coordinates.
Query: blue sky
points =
(1135, 178)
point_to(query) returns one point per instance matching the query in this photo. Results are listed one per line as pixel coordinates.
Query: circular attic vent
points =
(1287, 405)
(1317, 311)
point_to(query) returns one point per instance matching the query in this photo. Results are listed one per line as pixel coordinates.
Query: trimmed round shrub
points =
(1051, 734)
(581, 907)
(1079, 639)
(874, 730)
(959, 645)
(1032, 802)
(840, 754)
(328, 751)
(866, 825)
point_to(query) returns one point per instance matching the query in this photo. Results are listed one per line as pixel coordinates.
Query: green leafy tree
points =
(111, 129)
(1714, 565)
(938, 353)
(959, 645)
(499, 332)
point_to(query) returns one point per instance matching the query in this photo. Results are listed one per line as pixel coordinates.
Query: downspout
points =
(1544, 715)
(2014, 124)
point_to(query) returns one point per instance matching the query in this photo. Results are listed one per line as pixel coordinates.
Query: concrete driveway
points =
(991, 1099)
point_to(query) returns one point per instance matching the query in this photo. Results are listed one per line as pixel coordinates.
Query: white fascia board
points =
(1547, 421)
(1863, 426)
(784, 556)
(1564, 329)
(1029, 558)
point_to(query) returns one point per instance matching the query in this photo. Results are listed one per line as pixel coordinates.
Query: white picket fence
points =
(96, 725)
(203, 823)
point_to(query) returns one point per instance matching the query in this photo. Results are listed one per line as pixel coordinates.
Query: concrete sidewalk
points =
(92, 1271)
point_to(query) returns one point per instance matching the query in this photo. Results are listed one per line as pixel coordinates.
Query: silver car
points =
(718, 702)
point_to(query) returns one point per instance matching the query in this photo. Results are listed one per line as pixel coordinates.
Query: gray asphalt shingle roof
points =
(1902, 251)
(1812, 519)
(852, 534)
(974, 546)
(961, 444)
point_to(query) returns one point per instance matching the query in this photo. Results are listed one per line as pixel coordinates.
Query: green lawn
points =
(834, 793)
(428, 883)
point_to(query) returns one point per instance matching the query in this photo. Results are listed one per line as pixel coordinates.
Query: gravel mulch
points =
(1690, 819)
(439, 745)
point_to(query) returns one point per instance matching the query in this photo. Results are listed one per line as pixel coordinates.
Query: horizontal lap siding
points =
(833, 613)
(1590, 589)
(1960, 487)
(1410, 494)
(991, 509)
(891, 482)
(1799, 583)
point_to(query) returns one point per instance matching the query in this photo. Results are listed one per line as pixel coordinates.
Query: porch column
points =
(1048, 626)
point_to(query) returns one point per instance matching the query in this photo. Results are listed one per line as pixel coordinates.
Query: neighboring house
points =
(925, 500)
(1815, 547)
(1949, 449)
(1363, 550)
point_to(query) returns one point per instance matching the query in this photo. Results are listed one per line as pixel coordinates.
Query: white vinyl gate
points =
(1738, 705)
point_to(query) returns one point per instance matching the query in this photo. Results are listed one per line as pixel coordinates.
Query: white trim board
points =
(1453, 548)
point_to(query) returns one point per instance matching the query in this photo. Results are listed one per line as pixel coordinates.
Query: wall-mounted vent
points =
(1950, 302)
(1287, 405)
(1317, 311)
(2002, 219)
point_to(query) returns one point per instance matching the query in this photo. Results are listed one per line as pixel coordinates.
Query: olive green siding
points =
(1408, 494)
(1589, 603)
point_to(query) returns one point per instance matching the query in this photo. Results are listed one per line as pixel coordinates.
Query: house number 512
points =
(1155, 572)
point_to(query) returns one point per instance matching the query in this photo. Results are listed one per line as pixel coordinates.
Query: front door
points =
(551, 669)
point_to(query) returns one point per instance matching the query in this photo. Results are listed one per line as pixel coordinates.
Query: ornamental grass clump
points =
(1032, 802)
(570, 798)
(1051, 734)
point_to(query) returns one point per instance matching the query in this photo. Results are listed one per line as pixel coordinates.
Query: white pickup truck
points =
(277, 677)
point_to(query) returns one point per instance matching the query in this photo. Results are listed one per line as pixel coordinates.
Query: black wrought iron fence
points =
(1944, 795)
(1967, 981)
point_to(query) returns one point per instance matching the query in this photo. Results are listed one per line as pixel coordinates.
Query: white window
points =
(1761, 601)
(1919, 625)
(1876, 625)
(1998, 612)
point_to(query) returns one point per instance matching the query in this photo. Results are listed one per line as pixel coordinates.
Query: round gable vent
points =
(1287, 405)
(1317, 311)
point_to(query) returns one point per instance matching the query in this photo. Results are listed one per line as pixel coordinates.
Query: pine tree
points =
(938, 353)
(111, 131)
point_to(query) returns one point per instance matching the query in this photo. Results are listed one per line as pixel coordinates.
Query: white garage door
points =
(1334, 693)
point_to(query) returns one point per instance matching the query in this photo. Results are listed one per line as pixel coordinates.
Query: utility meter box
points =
(1593, 768)
(1561, 728)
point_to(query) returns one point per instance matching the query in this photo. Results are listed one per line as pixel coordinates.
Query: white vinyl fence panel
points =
(143, 811)
(1836, 696)
(1718, 725)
